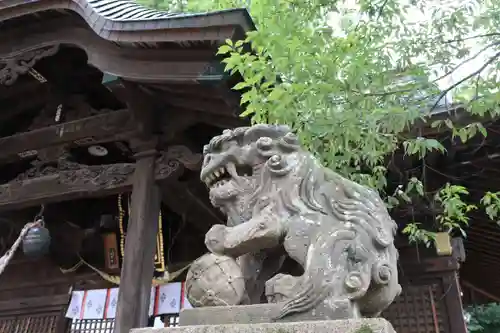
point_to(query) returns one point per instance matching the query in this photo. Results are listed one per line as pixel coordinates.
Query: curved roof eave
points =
(110, 18)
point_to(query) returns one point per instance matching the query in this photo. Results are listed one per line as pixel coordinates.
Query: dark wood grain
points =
(113, 125)
(84, 182)
(453, 301)
(137, 271)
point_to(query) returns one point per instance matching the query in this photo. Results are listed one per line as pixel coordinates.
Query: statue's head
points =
(235, 161)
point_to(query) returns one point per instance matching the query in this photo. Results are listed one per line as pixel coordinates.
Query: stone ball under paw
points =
(215, 280)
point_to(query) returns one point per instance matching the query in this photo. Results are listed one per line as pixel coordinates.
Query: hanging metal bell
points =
(36, 242)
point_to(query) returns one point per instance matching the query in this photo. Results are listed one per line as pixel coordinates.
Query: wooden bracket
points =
(67, 181)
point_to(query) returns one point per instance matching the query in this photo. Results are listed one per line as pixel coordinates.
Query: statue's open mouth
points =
(222, 175)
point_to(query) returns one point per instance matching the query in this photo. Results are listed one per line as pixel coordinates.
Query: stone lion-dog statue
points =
(281, 202)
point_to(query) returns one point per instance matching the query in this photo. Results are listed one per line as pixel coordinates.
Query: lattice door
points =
(171, 320)
(92, 326)
(417, 310)
(31, 324)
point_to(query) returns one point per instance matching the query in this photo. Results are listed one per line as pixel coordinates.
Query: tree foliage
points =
(353, 77)
(484, 318)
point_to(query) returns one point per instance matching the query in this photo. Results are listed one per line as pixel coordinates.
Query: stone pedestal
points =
(259, 319)
(257, 314)
(376, 325)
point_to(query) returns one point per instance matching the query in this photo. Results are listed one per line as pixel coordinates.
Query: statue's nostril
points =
(207, 159)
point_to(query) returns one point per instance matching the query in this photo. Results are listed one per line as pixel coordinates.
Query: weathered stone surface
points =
(216, 280)
(374, 325)
(254, 314)
(280, 201)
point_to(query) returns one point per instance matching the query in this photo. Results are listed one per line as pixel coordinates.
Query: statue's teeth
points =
(222, 170)
(217, 174)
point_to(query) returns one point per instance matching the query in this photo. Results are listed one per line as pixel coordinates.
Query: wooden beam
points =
(142, 109)
(484, 255)
(137, 272)
(71, 181)
(20, 89)
(480, 291)
(116, 125)
(138, 266)
(430, 266)
(215, 108)
(187, 91)
(456, 113)
(140, 243)
(175, 119)
(16, 105)
(48, 303)
(175, 122)
(112, 126)
(453, 302)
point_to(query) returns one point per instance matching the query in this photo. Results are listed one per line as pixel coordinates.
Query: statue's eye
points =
(226, 145)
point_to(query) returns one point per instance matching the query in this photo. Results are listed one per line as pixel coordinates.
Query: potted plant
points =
(451, 217)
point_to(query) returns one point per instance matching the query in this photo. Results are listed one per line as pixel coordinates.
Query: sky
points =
(423, 16)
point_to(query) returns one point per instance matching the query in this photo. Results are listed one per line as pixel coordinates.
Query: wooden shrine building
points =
(105, 108)
(101, 98)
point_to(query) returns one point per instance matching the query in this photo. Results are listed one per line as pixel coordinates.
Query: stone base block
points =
(258, 313)
(375, 325)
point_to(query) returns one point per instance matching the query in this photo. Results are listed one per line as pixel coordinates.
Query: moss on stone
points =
(281, 330)
(364, 329)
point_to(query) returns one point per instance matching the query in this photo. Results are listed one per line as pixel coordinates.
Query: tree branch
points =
(381, 9)
(492, 34)
(477, 72)
(466, 61)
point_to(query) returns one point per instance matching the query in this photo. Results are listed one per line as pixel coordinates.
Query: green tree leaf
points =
(355, 79)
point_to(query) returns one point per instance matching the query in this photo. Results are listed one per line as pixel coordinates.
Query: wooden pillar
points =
(453, 300)
(140, 245)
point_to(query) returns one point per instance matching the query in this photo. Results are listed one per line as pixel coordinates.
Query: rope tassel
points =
(159, 257)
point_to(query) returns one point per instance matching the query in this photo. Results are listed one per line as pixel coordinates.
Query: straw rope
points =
(7, 257)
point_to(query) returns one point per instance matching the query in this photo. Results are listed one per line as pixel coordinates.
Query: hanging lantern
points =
(36, 242)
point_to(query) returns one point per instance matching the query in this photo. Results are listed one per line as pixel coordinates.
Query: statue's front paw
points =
(215, 238)
(281, 288)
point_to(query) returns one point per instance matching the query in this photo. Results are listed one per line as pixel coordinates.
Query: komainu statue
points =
(281, 202)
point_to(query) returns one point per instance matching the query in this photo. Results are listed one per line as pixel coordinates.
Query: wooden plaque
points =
(111, 254)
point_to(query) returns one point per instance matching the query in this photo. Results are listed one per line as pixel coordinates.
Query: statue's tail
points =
(319, 273)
